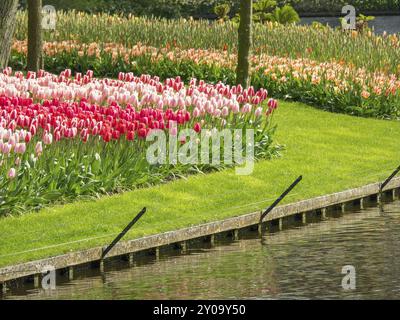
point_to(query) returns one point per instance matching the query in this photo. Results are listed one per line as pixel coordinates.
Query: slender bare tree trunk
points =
(34, 35)
(245, 42)
(8, 10)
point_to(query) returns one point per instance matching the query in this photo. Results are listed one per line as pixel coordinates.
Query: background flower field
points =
(356, 73)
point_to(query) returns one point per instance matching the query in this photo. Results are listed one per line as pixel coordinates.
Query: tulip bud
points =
(225, 111)
(130, 135)
(28, 137)
(48, 138)
(6, 148)
(247, 108)
(20, 148)
(39, 148)
(258, 112)
(197, 127)
(11, 173)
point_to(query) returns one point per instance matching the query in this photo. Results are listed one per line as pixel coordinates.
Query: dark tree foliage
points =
(204, 8)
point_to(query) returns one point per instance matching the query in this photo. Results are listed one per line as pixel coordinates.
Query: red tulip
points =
(115, 134)
(142, 132)
(107, 136)
(197, 127)
(130, 135)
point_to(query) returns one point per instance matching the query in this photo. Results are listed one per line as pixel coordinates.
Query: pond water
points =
(299, 262)
(390, 24)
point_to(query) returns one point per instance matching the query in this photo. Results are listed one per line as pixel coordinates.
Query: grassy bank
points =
(333, 152)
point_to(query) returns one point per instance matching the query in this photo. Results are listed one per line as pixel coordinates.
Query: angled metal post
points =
(119, 237)
(386, 182)
(283, 195)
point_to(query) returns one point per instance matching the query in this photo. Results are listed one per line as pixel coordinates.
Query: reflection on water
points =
(390, 24)
(301, 263)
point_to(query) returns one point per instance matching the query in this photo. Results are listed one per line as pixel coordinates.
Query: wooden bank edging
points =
(179, 236)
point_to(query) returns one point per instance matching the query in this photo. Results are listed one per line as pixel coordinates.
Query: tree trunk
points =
(245, 43)
(34, 35)
(8, 10)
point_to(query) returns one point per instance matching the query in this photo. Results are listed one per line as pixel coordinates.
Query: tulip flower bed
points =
(64, 137)
(320, 43)
(332, 86)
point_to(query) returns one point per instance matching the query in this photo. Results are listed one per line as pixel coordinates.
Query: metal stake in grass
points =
(386, 182)
(119, 237)
(383, 185)
(283, 195)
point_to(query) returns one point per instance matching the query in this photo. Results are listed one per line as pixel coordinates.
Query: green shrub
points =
(334, 6)
(267, 10)
(263, 10)
(285, 15)
(222, 11)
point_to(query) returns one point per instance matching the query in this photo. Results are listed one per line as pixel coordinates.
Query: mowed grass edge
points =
(333, 152)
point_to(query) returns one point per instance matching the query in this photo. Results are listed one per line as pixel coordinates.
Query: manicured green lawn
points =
(333, 152)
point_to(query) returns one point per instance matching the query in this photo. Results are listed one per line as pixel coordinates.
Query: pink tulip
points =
(251, 91)
(48, 138)
(196, 112)
(256, 100)
(78, 76)
(22, 135)
(11, 173)
(217, 113)
(181, 103)
(39, 148)
(89, 73)
(173, 103)
(110, 99)
(246, 108)
(258, 112)
(160, 105)
(12, 125)
(20, 148)
(57, 136)
(6, 148)
(12, 140)
(272, 103)
(7, 71)
(173, 130)
(235, 107)
(67, 73)
(225, 111)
